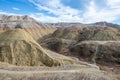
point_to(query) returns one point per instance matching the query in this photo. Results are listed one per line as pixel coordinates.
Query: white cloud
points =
(56, 8)
(45, 18)
(58, 12)
(114, 3)
(15, 8)
(108, 13)
(7, 13)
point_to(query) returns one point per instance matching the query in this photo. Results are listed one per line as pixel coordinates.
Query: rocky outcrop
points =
(34, 28)
(57, 45)
(88, 33)
(67, 25)
(60, 40)
(53, 44)
(100, 34)
(101, 52)
(19, 48)
(81, 25)
(67, 33)
(66, 44)
(105, 24)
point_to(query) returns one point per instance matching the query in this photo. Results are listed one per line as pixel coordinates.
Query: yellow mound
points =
(19, 48)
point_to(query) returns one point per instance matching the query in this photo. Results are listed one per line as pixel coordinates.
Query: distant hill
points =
(105, 24)
(34, 28)
(79, 25)
(63, 25)
(66, 40)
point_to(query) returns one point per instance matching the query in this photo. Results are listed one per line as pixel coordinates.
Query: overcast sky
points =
(84, 11)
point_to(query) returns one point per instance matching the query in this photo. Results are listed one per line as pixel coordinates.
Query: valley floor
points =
(75, 72)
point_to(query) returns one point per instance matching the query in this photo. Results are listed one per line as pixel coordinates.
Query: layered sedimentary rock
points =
(70, 46)
(102, 52)
(19, 48)
(67, 33)
(100, 34)
(58, 45)
(34, 28)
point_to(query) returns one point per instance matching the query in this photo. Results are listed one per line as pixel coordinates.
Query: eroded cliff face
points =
(19, 48)
(85, 43)
(67, 33)
(101, 52)
(99, 34)
(61, 39)
(96, 45)
(34, 28)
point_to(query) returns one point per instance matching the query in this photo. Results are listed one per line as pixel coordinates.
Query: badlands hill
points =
(74, 30)
(19, 48)
(96, 43)
(34, 28)
(100, 34)
(80, 25)
(67, 33)
(104, 24)
(22, 57)
(69, 42)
